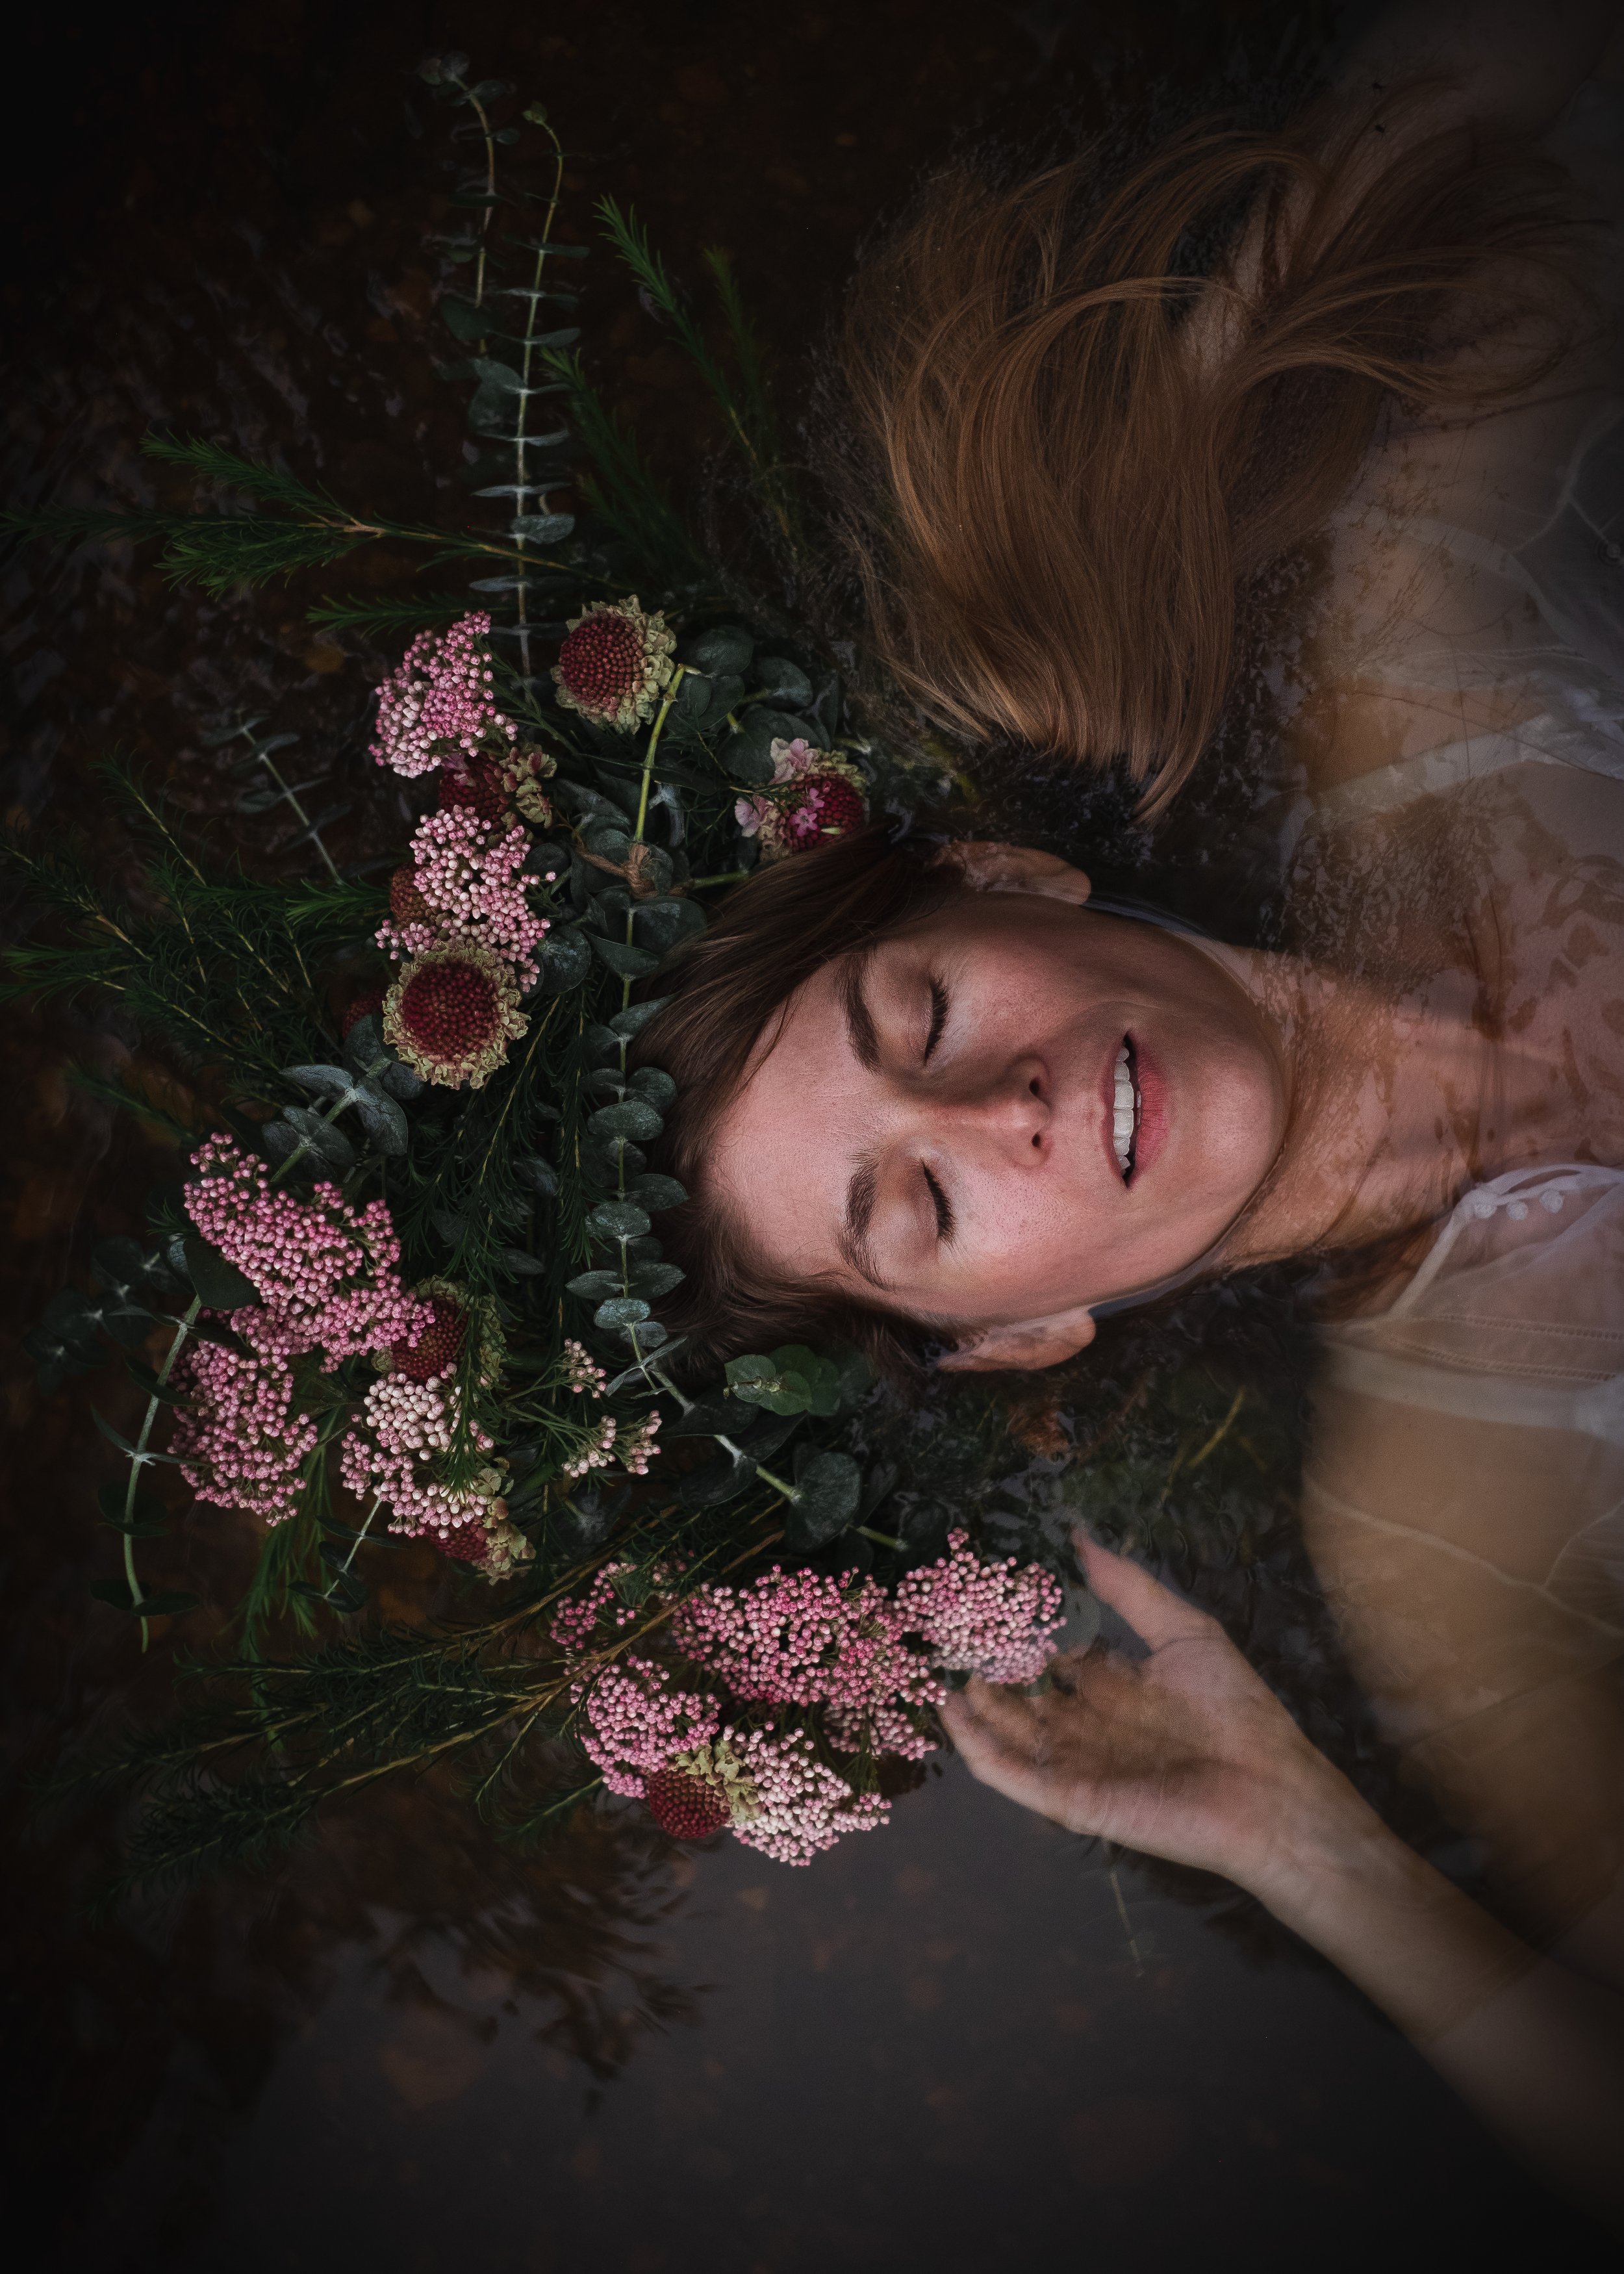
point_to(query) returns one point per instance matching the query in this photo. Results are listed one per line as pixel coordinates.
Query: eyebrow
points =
(858, 1018)
(853, 1237)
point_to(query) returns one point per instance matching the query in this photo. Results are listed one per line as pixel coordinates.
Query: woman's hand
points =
(1186, 1754)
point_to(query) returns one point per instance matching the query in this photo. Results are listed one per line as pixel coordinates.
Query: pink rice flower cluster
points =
(465, 885)
(865, 1662)
(799, 1805)
(636, 1719)
(997, 1620)
(437, 703)
(407, 1426)
(582, 1370)
(809, 1638)
(326, 1274)
(637, 1448)
(577, 1621)
(328, 1284)
(239, 1441)
(594, 1452)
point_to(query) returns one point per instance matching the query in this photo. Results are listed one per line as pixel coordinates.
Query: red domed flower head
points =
(477, 783)
(615, 662)
(438, 1346)
(452, 1013)
(407, 903)
(686, 1806)
(816, 794)
(466, 1544)
(496, 786)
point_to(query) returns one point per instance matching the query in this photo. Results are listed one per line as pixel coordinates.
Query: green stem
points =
(727, 876)
(354, 1544)
(304, 818)
(520, 469)
(882, 1539)
(183, 1328)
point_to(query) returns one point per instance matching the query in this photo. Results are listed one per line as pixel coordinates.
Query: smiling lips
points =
(1124, 1109)
(1136, 1110)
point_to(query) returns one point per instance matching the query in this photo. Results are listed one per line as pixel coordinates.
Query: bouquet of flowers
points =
(407, 1284)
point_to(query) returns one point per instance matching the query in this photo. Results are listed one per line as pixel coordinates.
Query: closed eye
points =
(939, 1018)
(940, 1203)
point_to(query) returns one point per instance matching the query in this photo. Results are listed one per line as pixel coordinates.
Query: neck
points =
(1397, 1106)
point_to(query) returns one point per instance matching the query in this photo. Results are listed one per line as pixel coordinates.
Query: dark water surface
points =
(958, 2043)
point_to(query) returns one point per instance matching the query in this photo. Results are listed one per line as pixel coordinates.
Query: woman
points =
(944, 1099)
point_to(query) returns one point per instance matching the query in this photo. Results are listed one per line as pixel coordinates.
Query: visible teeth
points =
(1122, 1112)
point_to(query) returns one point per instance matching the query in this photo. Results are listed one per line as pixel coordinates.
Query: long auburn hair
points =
(1058, 494)
(1068, 460)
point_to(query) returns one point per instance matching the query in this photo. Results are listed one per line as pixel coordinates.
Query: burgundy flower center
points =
(684, 1805)
(477, 784)
(466, 1545)
(449, 1009)
(436, 1347)
(828, 806)
(601, 661)
(407, 903)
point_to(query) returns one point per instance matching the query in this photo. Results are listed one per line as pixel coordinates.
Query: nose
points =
(1011, 1113)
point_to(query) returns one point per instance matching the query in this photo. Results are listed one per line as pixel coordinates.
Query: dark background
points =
(957, 2044)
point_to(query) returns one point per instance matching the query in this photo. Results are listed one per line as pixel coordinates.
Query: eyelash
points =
(943, 1206)
(939, 1018)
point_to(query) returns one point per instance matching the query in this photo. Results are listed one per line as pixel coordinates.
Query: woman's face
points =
(1015, 1108)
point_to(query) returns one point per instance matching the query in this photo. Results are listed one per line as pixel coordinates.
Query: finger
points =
(993, 1760)
(1156, 1614)
(1003, 1714)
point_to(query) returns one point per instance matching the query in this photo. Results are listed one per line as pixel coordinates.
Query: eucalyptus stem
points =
(521, 438)
(309, 826)
(183, 1328)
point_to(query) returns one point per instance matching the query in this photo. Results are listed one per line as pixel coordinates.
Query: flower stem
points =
(183, 1328)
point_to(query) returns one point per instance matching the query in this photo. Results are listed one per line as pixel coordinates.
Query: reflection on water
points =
(958, 2043)
(936, 2048)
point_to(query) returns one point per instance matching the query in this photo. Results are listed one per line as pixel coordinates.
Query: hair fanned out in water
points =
(1070, 458)
(1070, 461)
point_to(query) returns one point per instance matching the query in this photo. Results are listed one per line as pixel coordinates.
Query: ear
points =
(1018, 869)
(1034, 1343)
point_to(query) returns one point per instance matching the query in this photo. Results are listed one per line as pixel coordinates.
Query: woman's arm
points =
(1187, 1755)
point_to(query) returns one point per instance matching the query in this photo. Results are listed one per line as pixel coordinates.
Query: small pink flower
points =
(819, 795)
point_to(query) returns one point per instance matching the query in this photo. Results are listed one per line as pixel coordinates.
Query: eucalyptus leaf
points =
(637, 1016)
(827, 1493)
(618, 1220)
(657, 1193)
(717, 1481)
(566, 960)
(727, 649)
(220, 1285)
(328, 1143)
(656, 1086)
(782, 681)
(758, 1381)
(386, 1125)
(661, 924)
(653, 1280)
(523, 1264)
(620, 1311)
(631, 1118)
(542, 527)
(540, 1175)
(594, 1287)
(624, 963)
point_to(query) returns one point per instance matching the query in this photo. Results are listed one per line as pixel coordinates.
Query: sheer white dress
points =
(1465, 1496)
